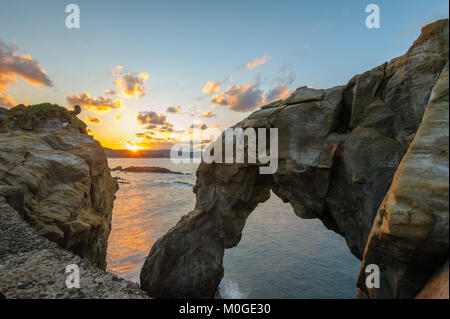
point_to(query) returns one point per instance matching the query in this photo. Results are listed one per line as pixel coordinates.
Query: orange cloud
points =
(155, 121)
(278, 92)
(148, 141)
(208, 114)
(211, 87)
(129, 84)
(6, 100)
(100, 103)
(110, 92)
(257, 62)
(14, 65)
(240, 98)
(93, 120)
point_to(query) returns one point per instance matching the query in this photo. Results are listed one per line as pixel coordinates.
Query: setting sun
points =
(132, 147)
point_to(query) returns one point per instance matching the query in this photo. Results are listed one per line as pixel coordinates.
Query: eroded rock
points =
(63, 176)
(339, 149)
(409, 238)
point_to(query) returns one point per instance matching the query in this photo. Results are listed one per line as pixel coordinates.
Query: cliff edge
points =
(56, 176)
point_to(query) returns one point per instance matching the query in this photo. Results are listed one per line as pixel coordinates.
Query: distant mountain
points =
(165, 153)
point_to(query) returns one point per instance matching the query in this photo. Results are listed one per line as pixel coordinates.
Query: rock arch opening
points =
(283, 256)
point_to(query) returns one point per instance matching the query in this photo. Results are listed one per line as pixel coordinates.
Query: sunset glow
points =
(148, 91)
(132, 147)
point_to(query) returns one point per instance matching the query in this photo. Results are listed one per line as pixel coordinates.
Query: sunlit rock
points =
(62, 174)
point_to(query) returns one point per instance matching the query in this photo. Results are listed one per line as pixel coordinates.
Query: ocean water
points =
(280, 255)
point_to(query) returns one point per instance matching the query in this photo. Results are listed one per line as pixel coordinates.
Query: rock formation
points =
(409, 237)
(145, 169)
(57, 177)
(339, 149)
(33, 267)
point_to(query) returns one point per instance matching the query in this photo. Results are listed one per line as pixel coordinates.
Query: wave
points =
(230, 290)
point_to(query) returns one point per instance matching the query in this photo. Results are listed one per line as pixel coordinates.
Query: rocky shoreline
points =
(31, 266)
(56, 200)
(369, 159)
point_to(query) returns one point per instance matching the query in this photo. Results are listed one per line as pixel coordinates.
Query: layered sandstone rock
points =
(57, 177)
(33, 267)
(409, 237)
(339, 149)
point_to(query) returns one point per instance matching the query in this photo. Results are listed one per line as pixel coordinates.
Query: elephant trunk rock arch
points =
(339, 149)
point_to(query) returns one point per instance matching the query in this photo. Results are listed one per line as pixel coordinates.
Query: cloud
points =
(285, 66)
(288, 79)
(14, 65)
(240, 98)
(211, 87)
(150, 142)
(151, 117)
(174, 109)
(278, 92)
(208, 114)
(155, 121)
(6, 100)
(111, 92)
(201, 126)
(100, 103)
(93, 120)
(257, 62)
(129, 84)
(144, 135)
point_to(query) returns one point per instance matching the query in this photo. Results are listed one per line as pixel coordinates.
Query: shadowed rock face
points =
(57, 177)
(409, 237)
(339, 149)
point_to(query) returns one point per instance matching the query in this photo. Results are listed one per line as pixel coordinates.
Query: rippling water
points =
(279, 256)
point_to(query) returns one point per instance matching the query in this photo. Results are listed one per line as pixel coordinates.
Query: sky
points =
(143, 71)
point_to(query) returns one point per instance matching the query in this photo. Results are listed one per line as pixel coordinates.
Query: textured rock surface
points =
(438, 286)
(33, 267)
(338, 151)
(57, 177)
(409, 238)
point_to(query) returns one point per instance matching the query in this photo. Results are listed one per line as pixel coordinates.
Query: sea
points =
(280, 255)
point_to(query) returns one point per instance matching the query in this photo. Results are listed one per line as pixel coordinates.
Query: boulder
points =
(61, 175)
